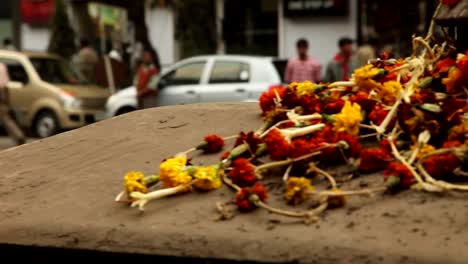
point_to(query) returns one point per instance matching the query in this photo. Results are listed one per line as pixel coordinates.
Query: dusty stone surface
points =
(59, 192)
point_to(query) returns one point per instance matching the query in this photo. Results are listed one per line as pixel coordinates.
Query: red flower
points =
(290, 99)
(310, 104)
(374, 159)
(452, 144)
(243, 173)
(299, 147)
(399, 170)
(277, 146)
(385, 145)
(244, 199)
(250, 138)
(450, 3)
(445, 64)
(328, 135)
(441, 165)
(462, 64)
(225, 155)
(267, 99)
(362, 98)
(423, 96)
(378, 115)
(334, 107)
(212, 144)
(453, 108)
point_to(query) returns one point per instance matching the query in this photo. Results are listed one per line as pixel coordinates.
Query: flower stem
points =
(327, 175)
(309, 215)
(342, 83)
(383, 127)
(292, 133)
(286, 173)
(349, 193)
(285, 162)
(143, 198)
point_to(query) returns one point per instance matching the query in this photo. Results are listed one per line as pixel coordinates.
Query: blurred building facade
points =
(182, 28)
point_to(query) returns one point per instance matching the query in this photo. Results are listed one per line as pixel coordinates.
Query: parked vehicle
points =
(216, 78)
(47, 96)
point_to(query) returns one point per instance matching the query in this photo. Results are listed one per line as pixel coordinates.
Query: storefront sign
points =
(37, 12)
(308, 8)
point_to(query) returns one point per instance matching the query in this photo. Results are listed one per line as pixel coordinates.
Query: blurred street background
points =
(69, 63)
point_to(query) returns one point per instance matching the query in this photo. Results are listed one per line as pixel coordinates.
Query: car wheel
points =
(125, 110)
(46, 124)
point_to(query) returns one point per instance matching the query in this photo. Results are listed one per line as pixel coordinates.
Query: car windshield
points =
(55, 71)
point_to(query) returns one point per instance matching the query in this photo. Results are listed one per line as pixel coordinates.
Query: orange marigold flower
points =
(243, 173)
(452, 144)
(397, 169)
(212, 144)
(453, 83)
(311, 104)
(334, 107)
(445, 64)
(268, 99)
(277, 145)
(362, 99)
(378, 115)
(450, 3)
(374, 159)
(246, 198)
(441, 165)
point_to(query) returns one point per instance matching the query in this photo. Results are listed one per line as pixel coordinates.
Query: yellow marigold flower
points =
(298, 190)
(305, 88)
(349, 119)
(172, 172)
(458, 131)
(425, 149)
(363, 78)
(453, 80)
(336, 201)
(389, 92)
(133, 182)
(207, 178)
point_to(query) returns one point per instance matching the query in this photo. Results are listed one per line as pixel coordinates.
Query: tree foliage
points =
(62, 41)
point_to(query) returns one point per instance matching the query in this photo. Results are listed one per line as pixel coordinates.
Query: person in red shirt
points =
(340, 67)
(303, 67)
(146, 95)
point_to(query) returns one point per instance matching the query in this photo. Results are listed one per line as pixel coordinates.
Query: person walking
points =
(87, 60)
(6, 120)
(146, 95)
(340, 67)
(303, 67)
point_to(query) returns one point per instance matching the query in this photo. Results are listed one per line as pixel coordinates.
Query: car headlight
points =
(70, 102)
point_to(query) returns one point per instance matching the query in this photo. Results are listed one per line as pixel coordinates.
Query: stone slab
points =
(58, 192)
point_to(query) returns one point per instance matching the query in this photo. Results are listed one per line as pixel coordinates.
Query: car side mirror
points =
(15, 85)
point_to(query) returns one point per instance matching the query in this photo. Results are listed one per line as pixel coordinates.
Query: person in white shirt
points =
(8, 123)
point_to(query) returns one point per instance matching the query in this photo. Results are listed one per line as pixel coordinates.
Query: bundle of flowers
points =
(414, 108)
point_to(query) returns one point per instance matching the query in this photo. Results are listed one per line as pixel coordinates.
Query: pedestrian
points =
(303, 67)
(146, 95)
(6, 120)
(365, 53)
(87, 59)
(340, 67)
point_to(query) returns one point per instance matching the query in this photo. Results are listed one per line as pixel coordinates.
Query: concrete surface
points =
(59, 192)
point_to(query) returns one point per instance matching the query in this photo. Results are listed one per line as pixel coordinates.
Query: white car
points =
(216, 78)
